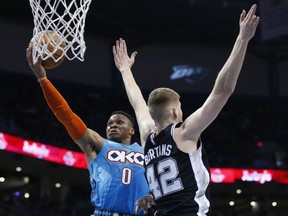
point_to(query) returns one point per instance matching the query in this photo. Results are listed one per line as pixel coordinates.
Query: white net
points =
(66, 20)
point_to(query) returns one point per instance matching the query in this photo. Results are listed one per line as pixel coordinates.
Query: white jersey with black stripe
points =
(179, 181)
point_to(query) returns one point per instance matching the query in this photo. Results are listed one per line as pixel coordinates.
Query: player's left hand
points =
(248, 23)
(122, 60)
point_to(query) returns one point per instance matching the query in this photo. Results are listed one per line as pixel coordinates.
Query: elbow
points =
(229, 90)
(226, 91)
(225, 86)
(228, 87)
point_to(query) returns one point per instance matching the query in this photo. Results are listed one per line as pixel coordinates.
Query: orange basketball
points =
(55, 45)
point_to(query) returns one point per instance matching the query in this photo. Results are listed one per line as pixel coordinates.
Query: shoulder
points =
(183, 141)
(187, 130)
(90, 143)
(146, 132)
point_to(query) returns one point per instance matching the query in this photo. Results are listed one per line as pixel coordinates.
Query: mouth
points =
(113, 132)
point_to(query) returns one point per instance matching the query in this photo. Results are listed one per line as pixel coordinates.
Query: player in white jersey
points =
(176, 168)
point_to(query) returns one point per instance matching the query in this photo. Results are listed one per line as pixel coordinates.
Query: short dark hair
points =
(125, 114)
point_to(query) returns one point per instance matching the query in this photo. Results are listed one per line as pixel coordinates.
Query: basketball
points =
(53, 46)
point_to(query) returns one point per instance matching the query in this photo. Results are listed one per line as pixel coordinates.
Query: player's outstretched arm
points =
(124, 63)
(73, 124)
(226, 80)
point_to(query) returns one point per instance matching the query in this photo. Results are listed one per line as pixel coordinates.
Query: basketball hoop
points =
(64, 17)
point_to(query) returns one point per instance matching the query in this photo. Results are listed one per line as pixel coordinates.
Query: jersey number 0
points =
(126, 176)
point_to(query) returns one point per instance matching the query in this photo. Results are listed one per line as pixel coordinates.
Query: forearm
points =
(124, 63)
(73, 124)
(132, 89)
(145, 122)
(227, 77)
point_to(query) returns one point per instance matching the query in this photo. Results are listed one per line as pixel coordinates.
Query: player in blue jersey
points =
(176, 164)
(115, 166)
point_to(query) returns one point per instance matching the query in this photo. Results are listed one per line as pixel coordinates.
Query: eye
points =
(120, 122)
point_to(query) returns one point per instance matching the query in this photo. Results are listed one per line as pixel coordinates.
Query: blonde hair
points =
(160, 101)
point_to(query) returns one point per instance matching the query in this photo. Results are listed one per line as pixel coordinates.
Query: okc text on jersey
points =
(122, 156)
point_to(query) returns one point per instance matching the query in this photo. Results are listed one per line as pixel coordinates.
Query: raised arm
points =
(226, 80)
(124, 63)
(78, 131)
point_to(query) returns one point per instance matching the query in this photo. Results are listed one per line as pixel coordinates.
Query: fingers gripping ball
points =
(52, 46)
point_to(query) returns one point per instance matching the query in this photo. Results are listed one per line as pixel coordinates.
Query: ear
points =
(174, 113)
(132, 131)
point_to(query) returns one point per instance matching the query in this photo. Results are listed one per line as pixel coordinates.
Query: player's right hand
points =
(145, 203)
(37, 68)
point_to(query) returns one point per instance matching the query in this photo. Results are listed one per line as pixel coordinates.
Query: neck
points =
(160, 127)
(124, 142)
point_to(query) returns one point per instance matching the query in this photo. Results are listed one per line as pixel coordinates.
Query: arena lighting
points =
(18, 169)
(253, 203)
(26, 179)
(57, 185)
(238, 191)
(26, 195)
(17, 193)
(231, 203)
(77, 160)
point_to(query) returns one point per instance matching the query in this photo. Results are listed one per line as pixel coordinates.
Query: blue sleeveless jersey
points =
(117, 177)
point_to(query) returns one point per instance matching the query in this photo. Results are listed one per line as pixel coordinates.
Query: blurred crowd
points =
(77, 203)
(252, 128)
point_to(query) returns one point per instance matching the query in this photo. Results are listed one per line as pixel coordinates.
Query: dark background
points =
(166, 33)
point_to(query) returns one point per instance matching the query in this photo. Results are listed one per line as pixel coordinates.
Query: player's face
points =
(119, 128)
